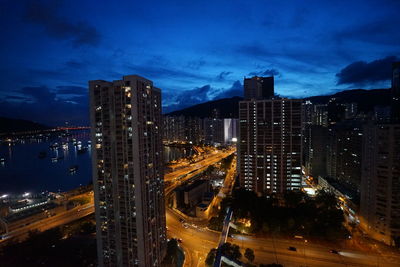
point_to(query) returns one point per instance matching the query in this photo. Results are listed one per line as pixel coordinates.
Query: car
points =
(292, 248)
(334, 251)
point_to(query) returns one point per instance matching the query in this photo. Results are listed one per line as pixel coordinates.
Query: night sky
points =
(194, 51)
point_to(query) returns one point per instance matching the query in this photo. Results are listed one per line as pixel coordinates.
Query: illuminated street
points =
(197, 241)
(48, 223)
(87, 209)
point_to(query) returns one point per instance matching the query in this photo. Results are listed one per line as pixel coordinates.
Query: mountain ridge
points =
(366, 99)
(11, 125)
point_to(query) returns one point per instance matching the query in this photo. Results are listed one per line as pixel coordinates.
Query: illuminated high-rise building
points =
(270, 144)
(128, 172)
(259, 87)
(380, 183)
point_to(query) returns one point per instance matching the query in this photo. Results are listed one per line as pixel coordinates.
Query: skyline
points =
(194, 52)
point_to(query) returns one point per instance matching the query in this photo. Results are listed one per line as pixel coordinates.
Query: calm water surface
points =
(24, 171)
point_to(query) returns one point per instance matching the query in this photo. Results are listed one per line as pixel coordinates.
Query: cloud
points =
(71, 90)
(235, 90)
(46, 15)
(157, 72)
(186, 98)
(196, 64)
(381, 31)
(361, 72)
(39, 94)
(176, 101)
(15, 98)
(222, 76)
(290, 56)
(42, 105)
(74, 64)
(268, 72)
(253, 50)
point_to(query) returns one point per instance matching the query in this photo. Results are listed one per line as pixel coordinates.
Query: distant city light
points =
(26, 194)
(234, 139)
(4, 196)
(310, 191)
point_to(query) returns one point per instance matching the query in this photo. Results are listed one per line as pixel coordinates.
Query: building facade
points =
(344, 149)
(182, 129)
(395, 92)
(259, 87)
(270, 145)
(128, 171)
(380, 186)
(230, 131)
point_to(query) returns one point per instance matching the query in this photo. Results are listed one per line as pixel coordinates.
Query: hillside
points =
(365, 99)
(228, 107)
(8, 125)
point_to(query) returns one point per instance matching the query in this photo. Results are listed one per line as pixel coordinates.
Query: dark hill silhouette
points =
(9, 125)
(228, 107)
(365, 99)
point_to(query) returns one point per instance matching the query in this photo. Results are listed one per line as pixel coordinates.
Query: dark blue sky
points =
(194, 50)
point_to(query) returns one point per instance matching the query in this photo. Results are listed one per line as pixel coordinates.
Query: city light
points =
(310, 191)
(209, 138)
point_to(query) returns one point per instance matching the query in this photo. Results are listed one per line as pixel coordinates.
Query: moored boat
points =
(73, 168)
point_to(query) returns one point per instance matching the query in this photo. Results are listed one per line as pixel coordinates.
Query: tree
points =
(171, 257)
(249, 254)
(87, 227)
(293, 198)
(211, 257)
(231, 251)
(326, 200)
(265, 227)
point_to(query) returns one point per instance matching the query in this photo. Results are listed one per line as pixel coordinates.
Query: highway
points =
(197, 241)
(76, 213)
(208, 160)
(51, 222)
(268, 250)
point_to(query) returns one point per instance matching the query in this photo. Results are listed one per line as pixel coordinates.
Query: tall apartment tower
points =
(259, 87)
(128, 171)
(395, 105)
(380, 183)
(270, 145)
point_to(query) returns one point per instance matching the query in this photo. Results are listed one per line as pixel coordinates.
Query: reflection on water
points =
(30, 165)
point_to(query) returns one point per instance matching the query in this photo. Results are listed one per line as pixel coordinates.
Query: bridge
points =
(224, 236)
(72, 128)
